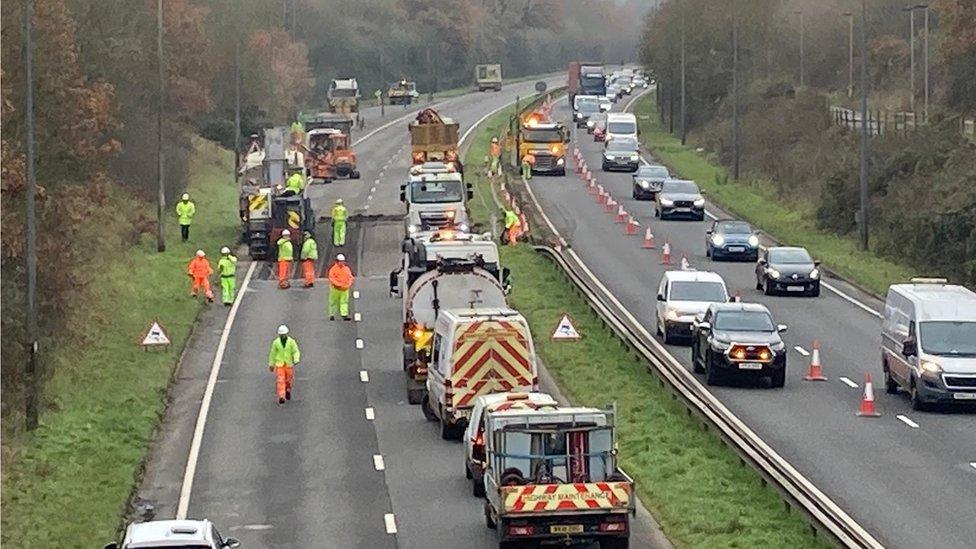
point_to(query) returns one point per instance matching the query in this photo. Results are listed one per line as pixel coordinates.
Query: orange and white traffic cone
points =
(737, 298)
(867, 399)
(648, 243)
(666, 254)
(621, 215)
(609, 204)
(579, 166)
(685, 266)
(632, 226)
(601, 195)
(815, 373)
(591, 188)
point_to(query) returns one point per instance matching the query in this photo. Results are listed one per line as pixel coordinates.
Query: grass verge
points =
(690, 481)
(70, 479)
(753, 200)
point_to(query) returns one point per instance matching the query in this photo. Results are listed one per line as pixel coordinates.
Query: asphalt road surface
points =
(908, 477)
(346, 463)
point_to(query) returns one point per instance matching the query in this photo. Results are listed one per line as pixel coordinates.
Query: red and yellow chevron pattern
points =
(490, 356)
(559, 497)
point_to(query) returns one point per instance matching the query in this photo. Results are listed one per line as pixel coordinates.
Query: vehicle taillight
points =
(620, 526)
(526, 530)
(419, 157)
(555, 149)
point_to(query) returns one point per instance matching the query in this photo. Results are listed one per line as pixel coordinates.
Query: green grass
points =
(690, 481)
(69, 480)
(754, 200)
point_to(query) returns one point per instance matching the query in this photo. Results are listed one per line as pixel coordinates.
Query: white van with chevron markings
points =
(476, 352)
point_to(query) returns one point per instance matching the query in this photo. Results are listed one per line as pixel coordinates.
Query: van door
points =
(435, 372)
(491, 356)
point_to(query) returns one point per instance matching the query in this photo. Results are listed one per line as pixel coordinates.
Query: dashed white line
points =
(359, 343)
(849, 383)
(355, 294)
(381, 173)
(370, 414)
(364, 376)
(357, 317)
(907, 421)
(972, 464)
(390, 522)
(378, 462)
(370, 197)
(375, 183)
(801, 350)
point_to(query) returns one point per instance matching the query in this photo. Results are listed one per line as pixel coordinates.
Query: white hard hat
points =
(494, 140)
(338, 201)
(282, 330)
(225, 250)
(340, 257)
(200, 253)
(286, 232)
(186, 196)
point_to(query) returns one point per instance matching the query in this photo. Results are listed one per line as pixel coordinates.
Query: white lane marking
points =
(355, 294)
(801, 350)
(364, 376)
(357, 317)
(359, 343)
(378, 462)
(381, 173)
(849, 383)
(370, 414)
(390, 522)
(375, 183)
(907, 421)
(253, 527)
(191, 461)
(370, 197)
(972, 464)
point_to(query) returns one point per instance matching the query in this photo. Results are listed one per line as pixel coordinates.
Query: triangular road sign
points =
(154, 336)
(565, 330)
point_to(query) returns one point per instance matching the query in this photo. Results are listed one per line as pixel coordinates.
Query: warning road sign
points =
(154, 336)
(565, 330)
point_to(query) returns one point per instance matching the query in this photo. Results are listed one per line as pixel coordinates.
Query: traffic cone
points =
(737, 298)
(591, 188)
(610, 203)
(815, 373)
(632, 226)
(685, 266)
(601, 196)
(621, 215)
(579, 166)
(666, 254)
(867, 399)
(648, 240)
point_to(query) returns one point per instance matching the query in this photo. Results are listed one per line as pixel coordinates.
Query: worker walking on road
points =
(495, 158)
(296, 181)
(309, 253)
(340, 280)
(199, 270)
(282, 359)
(339, 215)
(227, 267)
(285, 256)
(527, 162)
(185, 210)
(513, 227)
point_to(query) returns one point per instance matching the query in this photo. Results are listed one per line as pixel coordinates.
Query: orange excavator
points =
(329, 155)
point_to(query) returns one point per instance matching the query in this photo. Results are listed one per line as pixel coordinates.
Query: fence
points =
(881, 122)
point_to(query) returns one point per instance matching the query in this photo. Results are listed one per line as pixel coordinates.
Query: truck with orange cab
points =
(329, 155)
(546, 140)
(476, 350)
(551, 477)
(434, 138)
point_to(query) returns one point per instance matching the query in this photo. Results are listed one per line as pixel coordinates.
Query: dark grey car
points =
(787, 269)
(648, 180)
(621, 154)
(679, 198)
(735, 340)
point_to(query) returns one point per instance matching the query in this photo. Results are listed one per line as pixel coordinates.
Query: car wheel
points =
(759, 285)
(447, 430)
(414, 396)
(711, 376)
(767, 289)
(701, 217)
(708, 252)
(426, 409)
(891, 385)
(696, 359)
(778, 379)
(815, 291)
(562, 172)
(657, 325)
(916, 399)
(633, 194)
(665, 336)
(478, 488)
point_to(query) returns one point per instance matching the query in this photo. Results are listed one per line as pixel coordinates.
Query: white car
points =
(173, 533)
(605, 103)
(682, 296)
(473, 439)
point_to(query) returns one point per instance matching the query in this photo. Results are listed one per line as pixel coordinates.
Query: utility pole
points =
(800, 13)
(850, 54)
(33, 375)
(161, 189)
(735, 94)
(684, 110)
(237, 100)
(925, 56)
(864, 131)
(911, 55)
(382, 85)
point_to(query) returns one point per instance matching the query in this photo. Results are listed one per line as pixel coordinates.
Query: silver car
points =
(679, 198)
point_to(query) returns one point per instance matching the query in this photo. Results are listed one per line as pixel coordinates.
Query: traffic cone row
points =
(621, 215)
(648, 243)
(609, 205)
(632, 226)
(591, 188)
(601, 196)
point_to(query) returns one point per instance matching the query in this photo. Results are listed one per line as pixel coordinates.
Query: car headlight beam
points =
(754, 241)
(718, 240)
(772, 272)
(667, 202)
(699, 202)
(815, 273)
(930, 367)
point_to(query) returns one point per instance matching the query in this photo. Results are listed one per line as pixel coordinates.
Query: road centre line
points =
(801, 350)
(848, 382)
(972, 464)
(196, 442)
(390, 521)
(378, 462)
(355, 294)
(364, 376)
(359, 343)
(905, 419)
(370, 414)
(357, 317)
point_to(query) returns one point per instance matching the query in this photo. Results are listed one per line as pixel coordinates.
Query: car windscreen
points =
(789, 257)
(542, 136)
(656, 172)
(435, 192)
(735, 227)
(622, 145)
(948, 338)
(743, 321)
(593, 78)
(589, 108)
(622, 127)
(183, 546)
(587, 102)
(695, 290)
(680, 187)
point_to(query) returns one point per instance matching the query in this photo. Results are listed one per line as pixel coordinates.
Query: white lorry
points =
(435, 201)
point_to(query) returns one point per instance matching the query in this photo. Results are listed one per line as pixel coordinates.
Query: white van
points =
(928, 342)
(682, 296)
(621, 124)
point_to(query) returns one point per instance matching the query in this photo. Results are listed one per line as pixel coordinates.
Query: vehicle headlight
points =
(412, 229)
(718, 240)
(644, 184)
(450, 214)
(579, 115)
(772, 272)
(700, 202)
(778, 346)
(634, 157)
(608, 156)
(815, 273)
(666, 202)
(560, 161)
(754, 241)
(463, 227)
(589, 123)
(671, 314)
(930, 367)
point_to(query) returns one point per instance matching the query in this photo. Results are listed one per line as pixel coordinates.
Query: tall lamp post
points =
(863, 172)
(800, 13)
(850, 53)
(684, 110)
(31, 369)
(735, 94)
(911, 55)
(160, 185)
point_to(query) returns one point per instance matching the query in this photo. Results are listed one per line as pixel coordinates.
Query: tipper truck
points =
(343, 95)
(488, 77)
(551, 476)
(434, 138)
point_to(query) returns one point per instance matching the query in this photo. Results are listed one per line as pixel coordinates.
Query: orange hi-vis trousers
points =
(284, 269)
(308, 272)
(513, 233)
(284, 375)
(201, 282)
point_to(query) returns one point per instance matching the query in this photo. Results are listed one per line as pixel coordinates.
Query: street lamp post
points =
(911, 55)
(925, 57)
(800, 13)
(735, 94)
(850, 53)
(33, 375)
(684, 111)
(863, 172)
(160, 185)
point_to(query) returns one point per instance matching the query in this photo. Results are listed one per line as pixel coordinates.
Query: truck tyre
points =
(478, 488)
(614, 543)
(354, 174)
(425, 408)
(489, 522)
(448, 431)
(778, 379)
(414, 396)
(696, 358)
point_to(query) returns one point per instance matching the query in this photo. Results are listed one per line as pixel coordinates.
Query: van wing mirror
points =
(470, 194)
(781, 328)
(395, 283)
(704, 326)
(909, 347)
(403, 196)
(660, 297)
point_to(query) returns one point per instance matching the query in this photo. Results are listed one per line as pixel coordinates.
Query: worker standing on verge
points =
(309, 253)
(185, 210)
(495, 155)
(513, 226)
(296, 181)
(227, 267)
(199, 270)
(282, 358)
(527, 162)
(285, 256)
(340, 280)
(339, 215)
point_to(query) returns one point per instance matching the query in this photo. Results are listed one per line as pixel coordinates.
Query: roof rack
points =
(924, 280)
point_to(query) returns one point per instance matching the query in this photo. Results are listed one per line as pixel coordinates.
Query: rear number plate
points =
(566, 529)
(682, 209)
(750, 366)
(794, 288)
(964, 396)
(736, 249)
